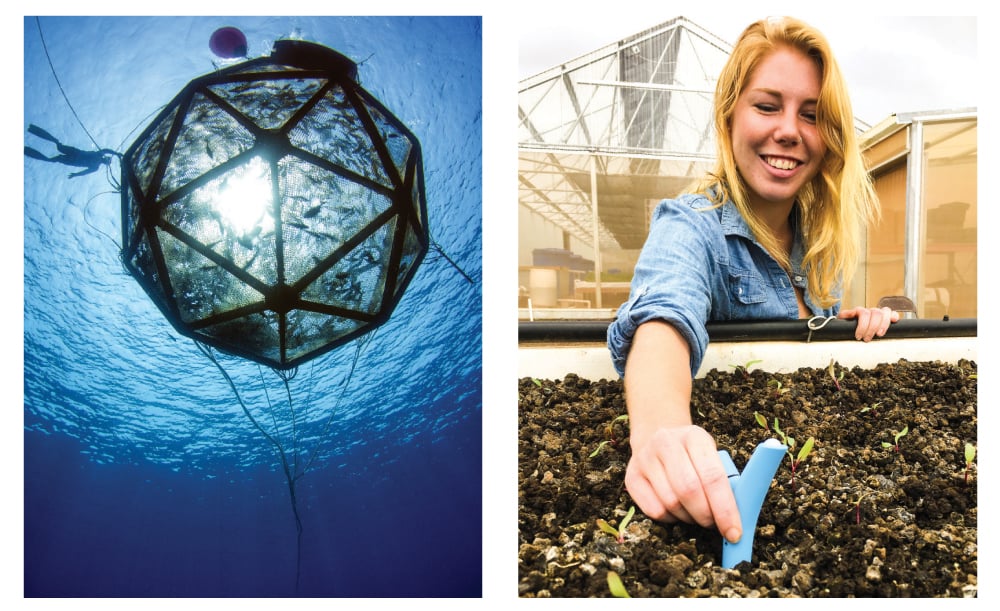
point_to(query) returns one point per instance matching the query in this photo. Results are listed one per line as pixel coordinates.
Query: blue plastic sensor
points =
(750, 488)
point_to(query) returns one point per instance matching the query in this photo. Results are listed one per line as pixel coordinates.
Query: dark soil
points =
(859, 520)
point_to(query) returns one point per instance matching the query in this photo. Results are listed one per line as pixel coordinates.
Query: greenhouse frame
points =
(604, 137)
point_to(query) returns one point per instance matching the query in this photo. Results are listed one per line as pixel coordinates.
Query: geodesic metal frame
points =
(275, 209)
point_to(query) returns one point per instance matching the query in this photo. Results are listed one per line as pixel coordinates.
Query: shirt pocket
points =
(746, 288)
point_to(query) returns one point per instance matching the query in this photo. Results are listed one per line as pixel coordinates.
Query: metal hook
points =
(814, 326)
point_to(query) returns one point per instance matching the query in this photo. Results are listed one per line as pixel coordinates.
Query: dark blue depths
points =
(414, 529)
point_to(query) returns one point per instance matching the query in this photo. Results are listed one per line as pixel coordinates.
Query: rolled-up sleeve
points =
(673, 279)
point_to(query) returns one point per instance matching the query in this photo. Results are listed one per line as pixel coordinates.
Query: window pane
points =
(949, 254)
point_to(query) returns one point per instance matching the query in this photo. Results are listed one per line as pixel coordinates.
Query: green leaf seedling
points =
(789, 441)
(803, 453)
(871, 408)
(785, 439)
(600, 447)
(778, 388)
(895, 439)
(617, 533)
(615, 586)
(970, 455)
(836, 377)
(857, 507)
(745, 367)
(610, 431)
(611, 428)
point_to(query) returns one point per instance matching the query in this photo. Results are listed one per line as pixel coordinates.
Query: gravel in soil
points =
(861, 518)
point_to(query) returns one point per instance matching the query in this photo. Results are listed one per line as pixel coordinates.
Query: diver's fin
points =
(41, 133)
(30, 152)
(83, 172)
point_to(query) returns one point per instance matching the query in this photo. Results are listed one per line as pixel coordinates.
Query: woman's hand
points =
(676, 475)
(872, 322)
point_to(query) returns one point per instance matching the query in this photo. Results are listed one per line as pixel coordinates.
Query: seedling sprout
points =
(600, 446)
(611, 427)
(896, 438)
(616, 586)
(803, 453)
(871, 408)
(610, 430)
(745, 368)
(857, 508)
(618, 533)
(789, 443)
(778, 388)
(970, 455)
(834, 375)
(785, 439)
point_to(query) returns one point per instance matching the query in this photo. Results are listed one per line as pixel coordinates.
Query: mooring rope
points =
(292, 474)
(61, 90)
(289, 477)
(441, 252)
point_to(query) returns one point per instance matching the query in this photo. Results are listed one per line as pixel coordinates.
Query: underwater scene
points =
(156, 465)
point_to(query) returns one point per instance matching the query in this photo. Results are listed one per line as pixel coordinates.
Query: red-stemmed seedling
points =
(895, 439)
(871, 408)
(778, 388)
(610, 430)
(617, 533)
(834, 375)
(803, 453)
(789, 441)
(857, 508)
(970, 455)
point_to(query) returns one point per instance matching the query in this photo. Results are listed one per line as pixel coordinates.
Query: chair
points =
(899, 303)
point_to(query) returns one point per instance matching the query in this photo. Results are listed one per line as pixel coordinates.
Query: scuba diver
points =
(90, 160)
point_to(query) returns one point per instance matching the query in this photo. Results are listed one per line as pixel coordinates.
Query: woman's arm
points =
(675, 472)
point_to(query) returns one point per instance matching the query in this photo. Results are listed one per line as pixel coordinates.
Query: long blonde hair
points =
(839, 202)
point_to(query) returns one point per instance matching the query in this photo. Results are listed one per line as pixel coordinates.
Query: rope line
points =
(441, 252)
(292, 473)
(45, 47)
(207, 351)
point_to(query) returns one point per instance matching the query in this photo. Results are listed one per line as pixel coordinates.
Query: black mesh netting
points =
(275, 209)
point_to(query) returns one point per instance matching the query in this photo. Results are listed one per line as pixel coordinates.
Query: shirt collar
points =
(733, 223)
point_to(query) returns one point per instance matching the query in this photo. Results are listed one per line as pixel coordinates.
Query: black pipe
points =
(755, 331)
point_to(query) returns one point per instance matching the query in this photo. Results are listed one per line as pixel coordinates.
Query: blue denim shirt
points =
(702, 264)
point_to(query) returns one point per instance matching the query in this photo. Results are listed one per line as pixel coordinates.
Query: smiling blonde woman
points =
(772, 233)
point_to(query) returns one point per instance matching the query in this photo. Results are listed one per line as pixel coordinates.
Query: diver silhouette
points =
(90, 160)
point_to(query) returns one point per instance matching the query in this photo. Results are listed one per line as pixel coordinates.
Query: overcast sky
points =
(892, 64)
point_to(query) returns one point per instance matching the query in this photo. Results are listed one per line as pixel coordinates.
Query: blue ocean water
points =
(142, 475)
